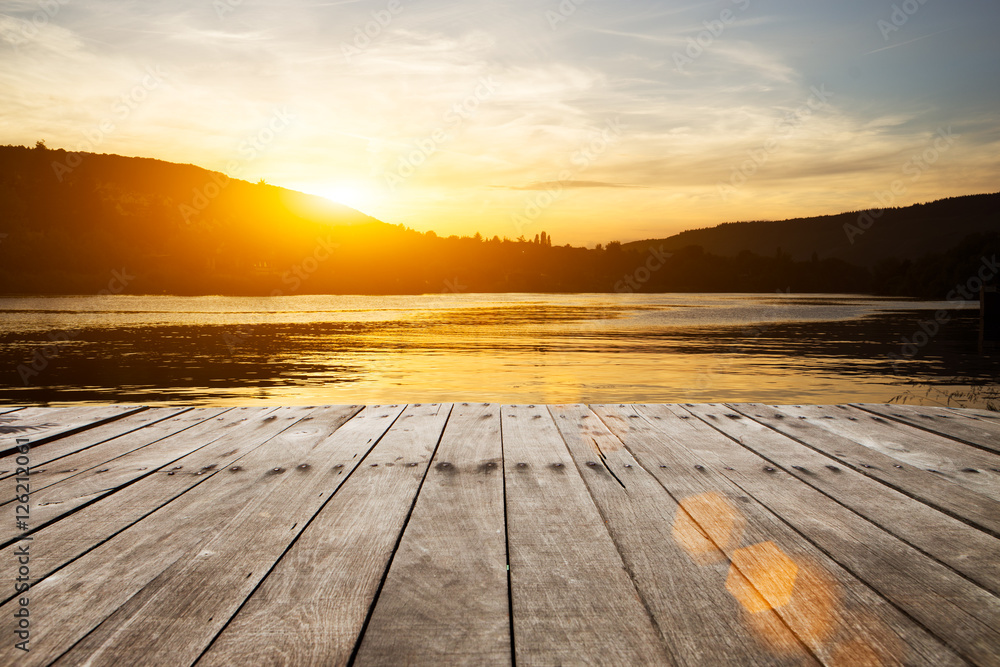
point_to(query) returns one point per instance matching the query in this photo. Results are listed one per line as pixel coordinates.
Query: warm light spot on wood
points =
(706, 525)
(761, 577)
(811, 612)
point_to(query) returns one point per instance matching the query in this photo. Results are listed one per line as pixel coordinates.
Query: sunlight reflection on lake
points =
(471, 347)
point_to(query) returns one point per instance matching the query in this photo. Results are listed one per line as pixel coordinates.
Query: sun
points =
(355, 194)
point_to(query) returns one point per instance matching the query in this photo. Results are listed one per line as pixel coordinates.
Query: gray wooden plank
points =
(970, 430)
(961, 614)
(573, 601)
(972, 468)
(140, 454)
(702, 623)
(58, 544)
(48, 424)
(109, 582)
(325, 584)
(928, 487)
(990, 415)
(953, 542)
(10, 408)
(31, 418)
(79, 452)
(236, 527)
(445, 600)
(773, 566)
(107, 437)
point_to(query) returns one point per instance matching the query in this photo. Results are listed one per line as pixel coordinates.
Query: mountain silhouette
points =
(864, 238)
(84, 223)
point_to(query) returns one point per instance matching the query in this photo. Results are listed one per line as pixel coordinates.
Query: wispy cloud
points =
(410, 83)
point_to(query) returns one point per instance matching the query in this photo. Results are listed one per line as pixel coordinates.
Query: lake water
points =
(525, 348)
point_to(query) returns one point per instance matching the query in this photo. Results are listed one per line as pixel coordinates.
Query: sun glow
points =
(355, 194)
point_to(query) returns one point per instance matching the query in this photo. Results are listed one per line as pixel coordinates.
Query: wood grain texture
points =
(107, 441)
(772, 561)
(990, 415)
(573, 601)
(961, 614)
(80, 593)
(659, 534)
(928, 487)
(444, 601)
(325, 584)
(155, 424)
(953, 542)
(701, 622)
(254, 513)
(43, 425)
(84, 477)
(974, 431)
(972, 468)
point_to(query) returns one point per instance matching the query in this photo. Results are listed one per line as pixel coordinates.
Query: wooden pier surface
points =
(475, 534)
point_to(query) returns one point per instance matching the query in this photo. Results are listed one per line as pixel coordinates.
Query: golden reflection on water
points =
(453, 348)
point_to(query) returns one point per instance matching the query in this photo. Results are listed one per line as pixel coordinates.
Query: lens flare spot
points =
(812, 612)
(706, 525)
(761, 577)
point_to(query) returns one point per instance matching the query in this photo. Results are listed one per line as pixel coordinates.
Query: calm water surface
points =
(525, 348)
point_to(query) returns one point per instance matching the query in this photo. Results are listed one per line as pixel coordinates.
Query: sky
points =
(593, 120)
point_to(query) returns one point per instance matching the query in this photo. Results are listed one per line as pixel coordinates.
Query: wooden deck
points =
(479, 534)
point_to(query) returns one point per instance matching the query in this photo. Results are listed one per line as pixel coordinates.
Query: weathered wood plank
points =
(108, 441)
(961, 614)
(325, 584)
(980, 433)
(61, 543)
(105, 438)
(928, 487)
(91, 477)
(241, 522)
(965, 466)
(773, 566)
(990, 415)
(702, 623)
(953, 542)
(49, 424)
(29, 418)
(444, 601)
(573, 601)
